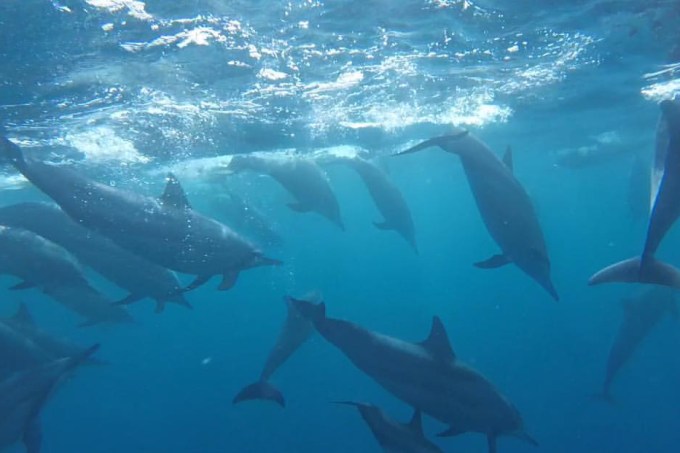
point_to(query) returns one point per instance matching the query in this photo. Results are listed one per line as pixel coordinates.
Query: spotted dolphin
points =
(42, 264)
(641, 315)
(388, 199)
(24, 394)
(295, 331)
(141, 278)
(301, 177)
(165, 230)
(395, 437)
(505, 206)
(665, 189)
(425, 375)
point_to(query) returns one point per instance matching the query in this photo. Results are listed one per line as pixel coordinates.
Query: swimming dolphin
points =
(646, 268)
(45, 265)
(301, 177)
(426, 375)
(141, 278)
(388, 199)
(163, 230)
(50, 347)
(395, 437)
(245, 218)
(18, 352)
(504, 205)
(295, 331)
(641, 314)
(23, 395)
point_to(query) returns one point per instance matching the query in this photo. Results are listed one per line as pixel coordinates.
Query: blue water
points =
(124, 90)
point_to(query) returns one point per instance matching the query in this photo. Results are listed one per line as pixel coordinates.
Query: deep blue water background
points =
(119, 92)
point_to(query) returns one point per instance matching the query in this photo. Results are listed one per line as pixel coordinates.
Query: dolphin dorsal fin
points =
(437, 343)
(174, 194)
(416, 423)
(507, 159)
(23, 316)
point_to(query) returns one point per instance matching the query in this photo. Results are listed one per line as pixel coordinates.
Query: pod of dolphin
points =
(147, 239)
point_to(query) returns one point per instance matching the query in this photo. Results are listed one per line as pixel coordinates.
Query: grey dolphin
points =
(641, 314)
(245, 218)
(45, 265)
(387, 198)
(294, 332)
(18, 352)
(504, 205)
(50, 347)
(301, 177)
(426, 375)
(395, 437)
(141, 278)
(646, 268)
(23, 395)
(163, 230)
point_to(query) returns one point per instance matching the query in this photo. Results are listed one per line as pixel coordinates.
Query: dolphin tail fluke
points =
(83, 356)
(436, 141)
(315, 312)
(261, 390)
(638, 270)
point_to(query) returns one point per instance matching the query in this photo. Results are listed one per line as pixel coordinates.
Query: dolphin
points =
(646, 268)
(45, 265)
(165, 230)
(425, 375)
(505, 207)
(18, 352)
(294, 332)
(395, 437)
(141, 278)
(641, 314)
(49, 347)
(387, 198)
(23, 395)
(242, 216)
(301, 177)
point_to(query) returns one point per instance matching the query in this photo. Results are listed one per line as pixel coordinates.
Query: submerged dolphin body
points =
(301, 177)
(22, 325)
(243, 217)
(504, 205)
(45, 265)
(641, 315)
(141, 278)
(388, 199)
(163, 230)
(426, 375)
(395, 437)
(23, 395)
(665, 189)
(295, 331)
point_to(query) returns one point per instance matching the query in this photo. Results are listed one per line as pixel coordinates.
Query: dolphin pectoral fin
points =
(228, 280)
(32, 438)
(383, 225)
(22, 285)
(493, 262)
(298, 207)
(174, 194)
(451, 432)
(507, 159)
(200, 280)
(491, 440)
(261, 390)
(129, 299)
